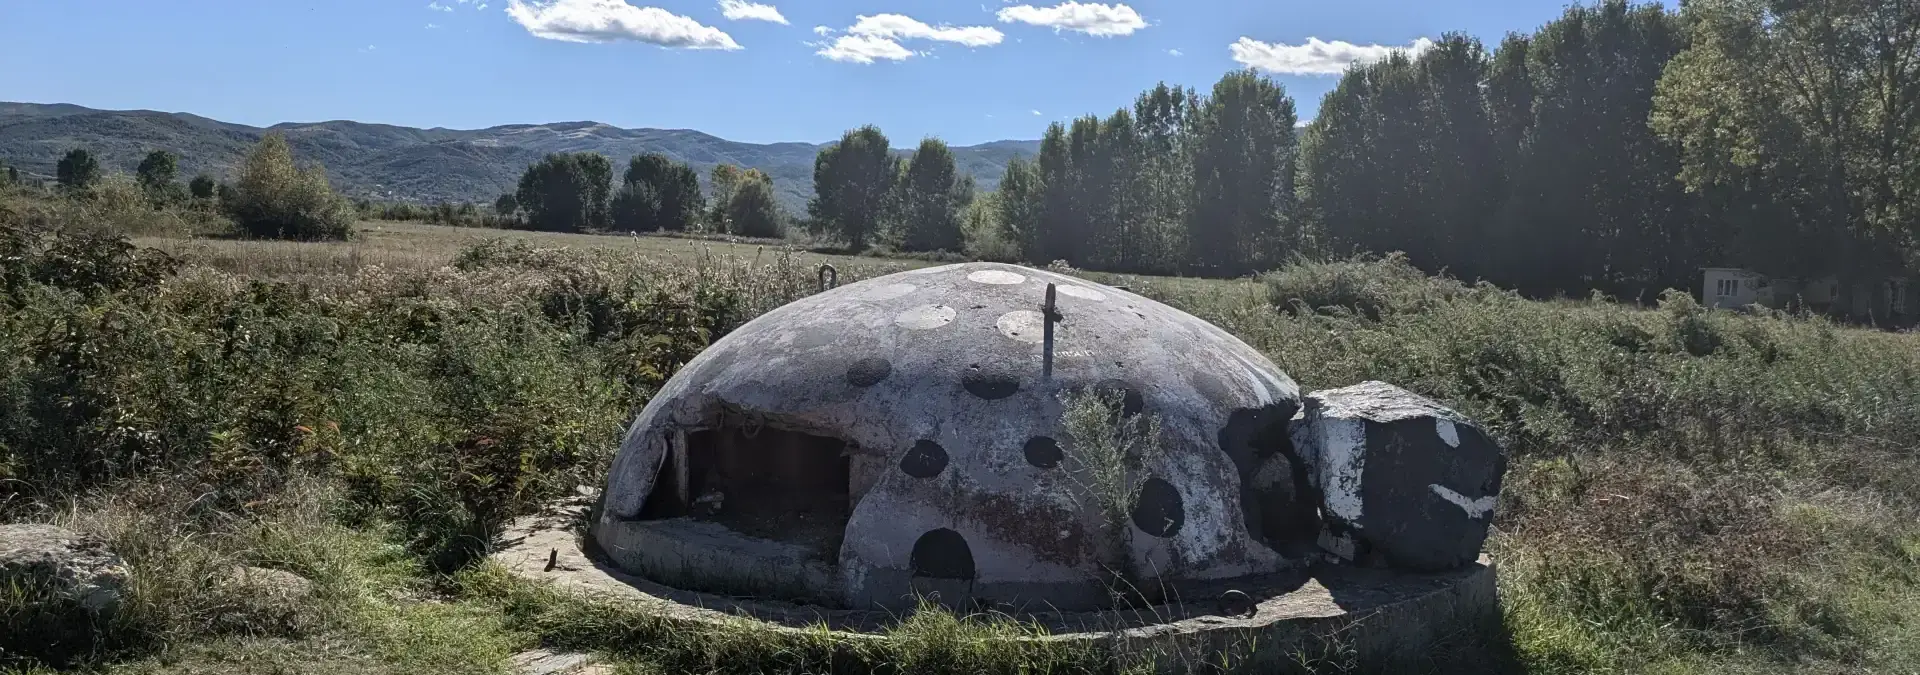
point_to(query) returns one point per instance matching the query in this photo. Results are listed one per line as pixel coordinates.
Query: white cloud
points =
(899, 27)
(366, 49)
(1091, 18)
(878, 37)
(613, 20)
(432, 26)
(1175, 52)
(864, 49)
(1316, 57)
(1302, 124)
(742, 10)
(436, 5)
(1036, 113)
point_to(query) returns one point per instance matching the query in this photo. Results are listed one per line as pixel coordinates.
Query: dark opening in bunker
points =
(1277, 499)
(763, 482)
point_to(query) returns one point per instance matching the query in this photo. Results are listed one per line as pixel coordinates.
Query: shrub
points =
(78, 170)
(156, 175)
(752, 210)
(1688, 486)
(201, 187)
(272, 198)
(1370, 287)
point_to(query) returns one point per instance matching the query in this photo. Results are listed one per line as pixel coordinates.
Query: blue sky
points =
(965, 70)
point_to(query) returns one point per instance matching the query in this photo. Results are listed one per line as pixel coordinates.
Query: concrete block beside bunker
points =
(1400, 476)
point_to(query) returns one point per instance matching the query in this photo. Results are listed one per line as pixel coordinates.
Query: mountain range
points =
(406, 164)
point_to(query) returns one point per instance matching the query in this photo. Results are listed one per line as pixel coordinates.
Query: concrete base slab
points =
(693, 554)
(1377, 617)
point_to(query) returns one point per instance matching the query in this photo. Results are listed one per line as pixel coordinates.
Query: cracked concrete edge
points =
(544, 662)
(1412, 624)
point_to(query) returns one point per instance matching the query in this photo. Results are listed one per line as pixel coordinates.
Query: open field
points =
(417, 246)
(1692, 491)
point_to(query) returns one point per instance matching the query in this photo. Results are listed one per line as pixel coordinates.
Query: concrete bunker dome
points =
(902, 436)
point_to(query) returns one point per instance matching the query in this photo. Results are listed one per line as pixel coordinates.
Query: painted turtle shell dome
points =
(903, 435)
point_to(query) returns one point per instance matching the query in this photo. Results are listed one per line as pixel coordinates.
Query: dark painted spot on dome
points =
(926, 460)
(1158, 510)
(868, 372)
(942, 554)
(989, 386)
(1131, 402)
(1043, 452)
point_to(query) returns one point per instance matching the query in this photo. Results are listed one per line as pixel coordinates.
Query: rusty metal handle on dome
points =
(828, 272)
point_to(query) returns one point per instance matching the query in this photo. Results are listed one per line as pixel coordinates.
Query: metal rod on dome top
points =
(1047, 315)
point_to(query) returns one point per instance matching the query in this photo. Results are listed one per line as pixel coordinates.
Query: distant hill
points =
(407, 164)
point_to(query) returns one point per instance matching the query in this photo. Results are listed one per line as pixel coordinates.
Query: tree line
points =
(574, 192)
(269, 195)
(1618, 148)
(1623, 148)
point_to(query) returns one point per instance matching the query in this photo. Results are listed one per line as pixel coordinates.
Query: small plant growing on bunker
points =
(1108, 448)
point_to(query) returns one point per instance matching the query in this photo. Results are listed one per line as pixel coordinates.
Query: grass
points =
(1691, 491)
(412, 246)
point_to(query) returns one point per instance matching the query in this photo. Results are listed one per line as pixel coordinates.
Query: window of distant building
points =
(1727, 287)
(1897, 297)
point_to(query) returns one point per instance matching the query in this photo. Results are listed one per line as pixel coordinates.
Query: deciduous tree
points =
(202, 187)
(1244, 168)
(274, 198)
(751, 208)
(567, 192)
(853, 182)
(1810, 113)
(931, 198)
(158, 171)
(78, 170)
(657, 193)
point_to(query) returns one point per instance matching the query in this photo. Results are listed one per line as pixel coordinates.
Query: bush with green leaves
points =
(447, 411)
(1367, 286)
(77, 171)
(1691, 490)
(751, 208)
(273, 198)
(157, 174)
(201, 187)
